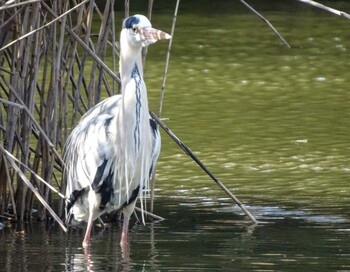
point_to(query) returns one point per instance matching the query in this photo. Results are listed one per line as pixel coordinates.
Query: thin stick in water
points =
(162, 91)
(326, 8)
(154, 216)
(266, 21)
(206, 170)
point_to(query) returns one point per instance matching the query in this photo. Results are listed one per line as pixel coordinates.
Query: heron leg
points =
(125, 231)
(88, 232)
(92, 203)
(127, 212)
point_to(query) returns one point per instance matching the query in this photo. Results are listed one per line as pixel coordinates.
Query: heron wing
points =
(89, 150)
(90, 153)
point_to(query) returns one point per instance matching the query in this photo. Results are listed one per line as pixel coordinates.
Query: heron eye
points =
(134, 29)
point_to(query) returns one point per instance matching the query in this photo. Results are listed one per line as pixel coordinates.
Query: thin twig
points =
(32, 188)
(25, 108)
(6, 70)
(206, 170)
(114, 53)
(42, 27)
(35, 174)
(149, 10)
(326, 8)
(154, 216)
(266, 21)
(7, 6)
(149, 16)
(168, 59)
(161, 98)
(127, 8)
(86, 47)
(8, 177)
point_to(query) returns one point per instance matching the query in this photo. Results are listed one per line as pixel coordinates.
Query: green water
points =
(272, 123)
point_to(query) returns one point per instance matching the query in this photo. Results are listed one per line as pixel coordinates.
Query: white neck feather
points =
(134, 146)
(129, 56)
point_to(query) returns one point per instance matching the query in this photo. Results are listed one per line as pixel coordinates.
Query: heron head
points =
(140, 32)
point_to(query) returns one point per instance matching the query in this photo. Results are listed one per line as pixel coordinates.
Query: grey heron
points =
(110, 154)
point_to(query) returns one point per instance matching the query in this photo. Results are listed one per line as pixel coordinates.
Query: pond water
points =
(272, 123)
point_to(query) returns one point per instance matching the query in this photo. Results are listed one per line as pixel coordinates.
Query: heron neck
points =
(129, 57)
(134, 140)
(134, 114)
(127, 66)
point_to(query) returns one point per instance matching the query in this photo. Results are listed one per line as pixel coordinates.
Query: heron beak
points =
(151, 35)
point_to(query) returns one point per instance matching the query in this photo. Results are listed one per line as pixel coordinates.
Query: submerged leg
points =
(127, 211)
(88, 231)
(92, 203)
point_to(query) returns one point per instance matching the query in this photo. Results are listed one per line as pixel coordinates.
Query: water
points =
(199, 234)
(272, 123)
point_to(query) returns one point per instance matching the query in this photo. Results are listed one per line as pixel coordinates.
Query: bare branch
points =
(168, 59)
(42, 27)
(22, 106)
(8, 6)
(86, 47)
(188, 152)
(35, 174)
(31, 187)
(266, 21)
(326, 8)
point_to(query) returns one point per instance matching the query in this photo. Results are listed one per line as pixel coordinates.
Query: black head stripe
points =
(130, 22)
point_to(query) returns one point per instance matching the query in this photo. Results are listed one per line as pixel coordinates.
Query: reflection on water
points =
(272, 123)
(198, 234)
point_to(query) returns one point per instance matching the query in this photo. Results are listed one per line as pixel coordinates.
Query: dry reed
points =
(51, 71)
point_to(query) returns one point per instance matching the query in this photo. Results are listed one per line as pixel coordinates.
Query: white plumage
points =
(110, 154)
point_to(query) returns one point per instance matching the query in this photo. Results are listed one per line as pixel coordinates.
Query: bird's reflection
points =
(93, 257)
(125, 252)
(88, 259)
